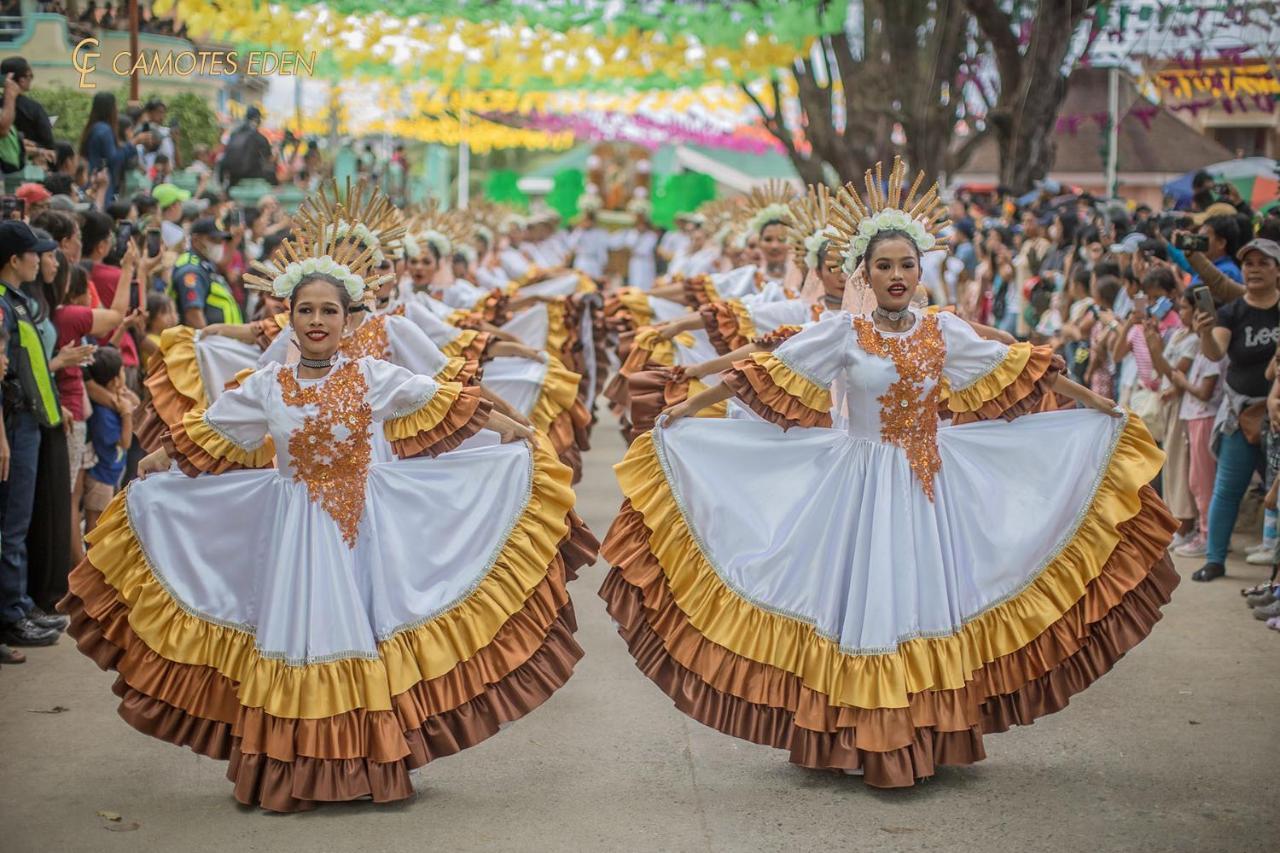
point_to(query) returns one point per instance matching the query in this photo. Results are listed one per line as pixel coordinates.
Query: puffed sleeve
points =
(984, 380)
(791, 386)
(230, 434)
(413, 349)
(420, 415)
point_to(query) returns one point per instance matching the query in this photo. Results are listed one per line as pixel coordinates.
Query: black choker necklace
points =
(893, 316)
(316, 363)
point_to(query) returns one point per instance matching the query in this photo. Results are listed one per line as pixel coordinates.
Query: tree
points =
(898, 70)
(1032, 81)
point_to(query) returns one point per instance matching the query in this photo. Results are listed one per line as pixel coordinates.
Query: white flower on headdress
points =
(469, 252)
(287, 281)
(776, 212)
(890, 219)
(485, 233)
(441, 243)
(411, 248)
(813, 245)
(739, 240)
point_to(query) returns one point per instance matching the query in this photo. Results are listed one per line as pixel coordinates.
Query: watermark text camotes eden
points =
(186, 63)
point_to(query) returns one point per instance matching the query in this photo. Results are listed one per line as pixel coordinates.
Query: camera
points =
(1222, 189)
(12, 207)
(1191, 243)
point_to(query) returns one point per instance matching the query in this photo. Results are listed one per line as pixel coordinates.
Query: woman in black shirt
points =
(1245, 332)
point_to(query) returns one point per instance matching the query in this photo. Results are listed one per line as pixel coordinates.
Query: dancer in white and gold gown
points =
(877, 597)
(332, 622)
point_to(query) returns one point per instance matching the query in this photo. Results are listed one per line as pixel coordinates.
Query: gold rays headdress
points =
(437, 227)
(316, 248)
(769, 203)
(362, 214)
(857, 219)
(810, 225)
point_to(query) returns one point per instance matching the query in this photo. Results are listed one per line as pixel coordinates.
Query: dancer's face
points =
(893, 270)
(752, 253)
(318, 315)
(422, 269)
(773, 243)
(833, 281)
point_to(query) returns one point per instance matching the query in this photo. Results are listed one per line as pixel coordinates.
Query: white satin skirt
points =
(836, 531)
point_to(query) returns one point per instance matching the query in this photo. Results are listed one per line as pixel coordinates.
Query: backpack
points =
(238, 155)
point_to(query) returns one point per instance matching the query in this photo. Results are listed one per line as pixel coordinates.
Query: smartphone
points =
(1203, 300)
(12, 207)
(1223, 189)
(1191, 243)
(1162, 307)
(153, 242)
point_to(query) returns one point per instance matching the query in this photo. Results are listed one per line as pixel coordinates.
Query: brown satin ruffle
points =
(166, 406)
(467, 416)
(754, 387)
(894, 746)
(722, 327)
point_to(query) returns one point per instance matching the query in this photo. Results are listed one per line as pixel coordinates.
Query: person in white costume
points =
(874, 598)
(324, 618)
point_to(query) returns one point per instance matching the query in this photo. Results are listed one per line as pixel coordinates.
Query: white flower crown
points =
(889, 219)
(469, 252)
(288, 280)
(435, 238)
(776, 212)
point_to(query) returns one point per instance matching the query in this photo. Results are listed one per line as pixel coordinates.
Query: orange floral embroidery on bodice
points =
(909, 413)
(331, 451)
(369, 339)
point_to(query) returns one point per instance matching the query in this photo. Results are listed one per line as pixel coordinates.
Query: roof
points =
(1167, 147)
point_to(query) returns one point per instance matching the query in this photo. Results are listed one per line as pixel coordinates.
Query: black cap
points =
(44, 241)
(16, 238)
(206, 227)
(253, 114)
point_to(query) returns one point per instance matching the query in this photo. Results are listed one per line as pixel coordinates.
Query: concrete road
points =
(1175, 750)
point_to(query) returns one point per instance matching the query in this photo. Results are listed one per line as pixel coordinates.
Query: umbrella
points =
(1255, 178)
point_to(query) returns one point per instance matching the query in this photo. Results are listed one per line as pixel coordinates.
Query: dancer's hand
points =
(676, 412)
(508, 429)
(153, 463)
(1102, 404)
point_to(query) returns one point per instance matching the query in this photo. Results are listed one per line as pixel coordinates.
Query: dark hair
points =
(1088, 234)
(97, 226)
(158, 302)
(1154, 248)
(106, 365)
(344, 298)
(1107, 267)
(119, 209)
(56, 290)
(1270, 229)
(145, 204)
(435, 253)
(15, 65)
(771, 222)
(63, 151)
(1069, 224)
(1160, 278)
(103, 109)
(1200, 179)
(59, 224)
(161, 158)
(77, 284)
(273, 241)
(1108, 289)
(1228, 230)
(1081, 275)
(885, 236)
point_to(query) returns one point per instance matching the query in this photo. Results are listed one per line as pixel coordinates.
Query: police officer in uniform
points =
(201, 293)
(30, 402)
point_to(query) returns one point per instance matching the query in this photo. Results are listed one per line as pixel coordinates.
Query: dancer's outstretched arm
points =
(698, 402)
(1084, 396)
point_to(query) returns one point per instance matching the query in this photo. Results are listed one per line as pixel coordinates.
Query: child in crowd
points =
(1173, 352)
(110, 431)
(1100, 375)
(1202, 394)
(161, 315)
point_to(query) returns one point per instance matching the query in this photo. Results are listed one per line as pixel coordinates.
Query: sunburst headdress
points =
(769, 203)
(436, 227)
(857, 219)
(363, 214)
(809, 226)
(317, 248)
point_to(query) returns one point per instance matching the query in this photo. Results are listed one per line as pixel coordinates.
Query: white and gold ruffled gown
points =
(332, 622)
(880, 595)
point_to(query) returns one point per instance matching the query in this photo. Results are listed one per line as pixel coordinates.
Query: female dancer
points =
(876, 598)
(396, 611)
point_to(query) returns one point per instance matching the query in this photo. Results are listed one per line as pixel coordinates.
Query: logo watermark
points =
(188, 63)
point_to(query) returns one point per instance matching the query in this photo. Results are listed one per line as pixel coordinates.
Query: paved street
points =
(1175, 750)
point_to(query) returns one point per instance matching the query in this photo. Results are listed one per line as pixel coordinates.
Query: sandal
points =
(10, 655)
(1256, 589)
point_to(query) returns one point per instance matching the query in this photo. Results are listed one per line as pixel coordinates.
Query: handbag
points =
(1251, 420)
(1147, 405)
